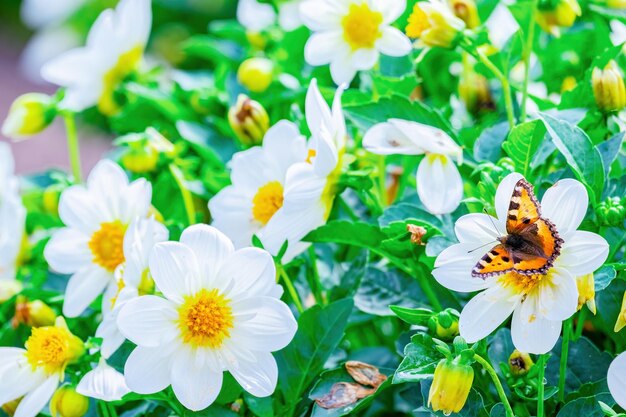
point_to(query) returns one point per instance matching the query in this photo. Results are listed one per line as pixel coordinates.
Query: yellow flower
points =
(621, 317)
(451, 386)
(30, 114)
(66, 402)
(564, 14)
(586, 292)
(434, 24)
(256, 74)
(52, 348)
(608, 87)
(249, 120)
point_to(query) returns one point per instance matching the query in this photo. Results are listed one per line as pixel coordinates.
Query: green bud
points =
(611, 212)
(249, 120)
(444, 325)
(30, 114)
(451, 385)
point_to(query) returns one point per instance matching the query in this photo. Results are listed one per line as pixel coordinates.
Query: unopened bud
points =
(444, 325)
(611, 212)
(608, 87)
(40, 314)
(561, 15)
(249, 120)
(50, 198)
(256, 74)
(586, 292)
(467, 11)
(140, 160)
(66, 402)
(621, 316)
(451, 385)
(29, 114)
(475, 93)
(520, 363)
(434, 24)
(8, 288)
(568, 84)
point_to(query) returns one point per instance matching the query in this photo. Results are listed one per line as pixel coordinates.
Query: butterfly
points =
(531, 244)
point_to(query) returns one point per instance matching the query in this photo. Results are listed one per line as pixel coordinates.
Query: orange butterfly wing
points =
(496, 262)
(524, 208)
(543, 236)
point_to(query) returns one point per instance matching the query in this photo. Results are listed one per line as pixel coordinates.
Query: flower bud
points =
(140, 160)
(467, 11)
(563, 14)
(8, 288)
(611, 212)
(249, 120)
(621, 317)
(608, 87)
(256, 74)
(475, 93)
(568, 84)
(50, 198)
(451, 386)
(434, 24)
(520, 363)
(30, 114)
(39, 314)
(586, 292)
(444, 325)
(66, 402)
(10, 407)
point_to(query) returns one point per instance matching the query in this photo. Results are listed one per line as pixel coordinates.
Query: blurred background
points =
(34, 31)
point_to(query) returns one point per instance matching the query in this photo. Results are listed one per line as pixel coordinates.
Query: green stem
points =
(506, 86)
(72, 146)
(582, 315)
(541, 363)
(190, 209)
(290, 288)
(317, 284)
(353, 216)
(496, 381)
(527, 52)
(567, 334)
(111, 409)
(103, 409)
(382, 180)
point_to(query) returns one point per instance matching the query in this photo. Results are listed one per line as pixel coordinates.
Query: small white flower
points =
(12, 217)
(91, 246)
(349, 35)
(501, 25)
(34, 373)
(439, 184)
(115, 45)
(103, 383)
(616, 379)
(39, 13)
(221, 311)
(539, 303)
(310, 185)
(258, 181)
(256, 16)
(132, 279)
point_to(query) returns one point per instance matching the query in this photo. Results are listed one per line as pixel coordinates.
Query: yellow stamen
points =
(267, 201)
(205, 319)
(310, 155)
(107, 245)
(418, 22)
(126, 64)
(361, 26)
(52, 347)
(521, 284)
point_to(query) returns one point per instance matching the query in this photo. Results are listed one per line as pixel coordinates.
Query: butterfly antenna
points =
(492, 223)
(482, 246)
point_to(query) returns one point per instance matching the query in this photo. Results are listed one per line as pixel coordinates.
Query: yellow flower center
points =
(267, 201)
(52, 348)
(206, 319)
(417, 23)
(361, 26)
(126, 63)
(107, 245)
(521, 284)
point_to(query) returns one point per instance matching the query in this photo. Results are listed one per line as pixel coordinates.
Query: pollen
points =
(107, 245)
(205, 319)
(267, 201)
(361, 26)
(125, 64)
(310, 155)
(120, 286)
(521, 284)
(417, 23)
(52, 348)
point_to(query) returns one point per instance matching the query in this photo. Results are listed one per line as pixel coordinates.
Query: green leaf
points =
(420, 360)
(260, 407)
(587, 406)
(579, 152)
(603, 277)
(319, 332)
(416, 316)
(522, 144)
(348, 233)
(609, 149)
(488, 146)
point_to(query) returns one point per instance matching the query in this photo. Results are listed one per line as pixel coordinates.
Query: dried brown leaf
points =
(365, 374)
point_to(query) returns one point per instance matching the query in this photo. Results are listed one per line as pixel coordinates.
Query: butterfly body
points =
(531, 244)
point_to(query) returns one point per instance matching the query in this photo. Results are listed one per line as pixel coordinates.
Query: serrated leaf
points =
(522, 144)
(420, 360)
(379, 289)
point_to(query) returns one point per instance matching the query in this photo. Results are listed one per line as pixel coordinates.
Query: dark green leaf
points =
(523, 143)
(420, 360)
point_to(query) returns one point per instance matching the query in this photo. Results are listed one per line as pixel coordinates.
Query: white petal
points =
(16, 376)
(616, 379)
(79, 210)
(478, 228)
(196, 387)
(68, 251)
(36, 400)
(103, 383)
(391, 9)
(255, 16)
(112, 339)
(322, 15)
(175, 271)
(285, 145)
(148, 321)
(429, 139)
(439, 184)
(453, 268)
(62, 69)
(84, 287)
(147, 370)
(317, 111)
(251, 272)
(394, 43)
(583, 253)
(557, 295)
(322, 47)
(271, 327)
(565, 204)
(211, 248)
(531, 332)
(387, 139)
(485, 312)
(363, 59)
(504, 194)
(341, 69)
(258, 378)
